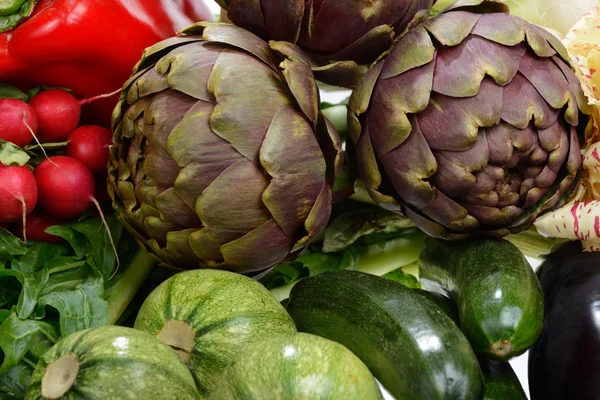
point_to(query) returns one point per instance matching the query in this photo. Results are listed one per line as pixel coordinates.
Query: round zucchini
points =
(500, 301)
(111, 363)
(208, 316)
(410, 345)
(296, 367)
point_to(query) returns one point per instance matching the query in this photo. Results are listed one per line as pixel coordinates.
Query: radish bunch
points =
(64, 182)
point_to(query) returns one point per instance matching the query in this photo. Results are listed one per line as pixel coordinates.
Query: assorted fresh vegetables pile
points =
(227, 235)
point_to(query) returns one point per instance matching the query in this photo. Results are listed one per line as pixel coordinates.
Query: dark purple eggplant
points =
(564, 364)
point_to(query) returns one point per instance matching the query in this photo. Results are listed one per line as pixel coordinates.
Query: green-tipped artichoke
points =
(357, 30)
(222, 158)
(471, 125)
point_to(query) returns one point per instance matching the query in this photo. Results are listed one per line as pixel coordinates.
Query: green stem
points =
(395, 254)
(378, 260)
(128, 282)
(47, 146)
(67, 267)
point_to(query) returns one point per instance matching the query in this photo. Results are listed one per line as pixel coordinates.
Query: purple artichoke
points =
(356, 30)
(472, 123)
(221, 157)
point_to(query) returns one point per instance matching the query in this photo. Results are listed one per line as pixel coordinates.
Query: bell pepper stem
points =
(10, 7)
(14, 12)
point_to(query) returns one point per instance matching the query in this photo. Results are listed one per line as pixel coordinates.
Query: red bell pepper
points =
(88, 46)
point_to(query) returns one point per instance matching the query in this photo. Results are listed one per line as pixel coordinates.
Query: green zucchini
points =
(499, 299)
(411, 346)
(444, 303)
(500, 381)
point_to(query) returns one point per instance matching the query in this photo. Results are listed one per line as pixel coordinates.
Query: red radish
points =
(37, 222)
(16, 120)
(89, 144)
(58, 113)
(66, 189)
(18, 193)
(65, 185)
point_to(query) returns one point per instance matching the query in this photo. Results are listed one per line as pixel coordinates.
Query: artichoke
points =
(221, 157)
(471, 124)
(356, 30)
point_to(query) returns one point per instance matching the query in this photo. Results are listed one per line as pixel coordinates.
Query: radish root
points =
(22, 200)
(36, 139)
(99, 97)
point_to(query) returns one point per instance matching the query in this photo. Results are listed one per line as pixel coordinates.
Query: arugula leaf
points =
(76, 240)
(12, 155)
(11, 283)
(17, 337)
(22, 343)
(102, 252)
(90, 239)
(10, 246)
(33, 284)
(4, 314)
(79, 308)
(37, 256)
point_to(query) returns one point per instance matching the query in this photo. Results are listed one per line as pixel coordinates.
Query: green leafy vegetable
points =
(11, 154)
(19, 337)
(11, 92)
